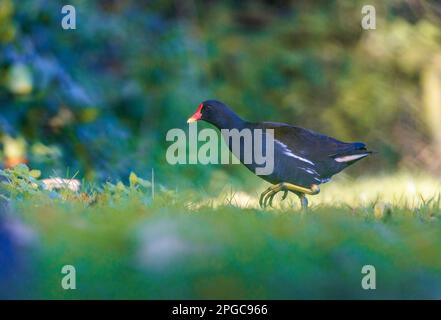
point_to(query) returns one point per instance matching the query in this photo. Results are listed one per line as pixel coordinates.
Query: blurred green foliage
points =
(99, 99)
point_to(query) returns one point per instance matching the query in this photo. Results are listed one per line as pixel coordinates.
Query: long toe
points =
(303, 201)
(271, 199)
(262, 197)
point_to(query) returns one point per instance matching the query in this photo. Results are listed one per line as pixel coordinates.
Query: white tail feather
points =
(351, 157)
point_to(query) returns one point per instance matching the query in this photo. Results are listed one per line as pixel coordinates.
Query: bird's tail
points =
(354, 152)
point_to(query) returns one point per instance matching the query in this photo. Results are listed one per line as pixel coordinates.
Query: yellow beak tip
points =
(190, 120)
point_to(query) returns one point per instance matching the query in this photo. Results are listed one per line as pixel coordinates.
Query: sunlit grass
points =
(401, 190)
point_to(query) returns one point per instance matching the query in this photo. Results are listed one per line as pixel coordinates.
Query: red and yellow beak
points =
(197, 115)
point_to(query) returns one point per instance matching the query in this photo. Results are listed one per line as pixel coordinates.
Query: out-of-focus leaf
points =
(19, 79)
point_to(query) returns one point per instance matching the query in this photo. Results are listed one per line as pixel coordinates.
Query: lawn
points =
(181, 245)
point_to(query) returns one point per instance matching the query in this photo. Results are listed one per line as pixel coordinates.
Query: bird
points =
(303, 158)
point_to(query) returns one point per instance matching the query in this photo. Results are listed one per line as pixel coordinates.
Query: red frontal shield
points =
(197, 115)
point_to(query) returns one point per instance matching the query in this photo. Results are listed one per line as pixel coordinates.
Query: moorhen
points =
(303, 159)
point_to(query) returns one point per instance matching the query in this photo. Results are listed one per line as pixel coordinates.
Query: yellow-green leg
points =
(268, 195)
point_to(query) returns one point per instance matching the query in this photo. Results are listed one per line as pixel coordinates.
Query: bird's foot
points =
(266, 198)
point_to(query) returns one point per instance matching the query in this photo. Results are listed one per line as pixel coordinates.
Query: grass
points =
(124, 245)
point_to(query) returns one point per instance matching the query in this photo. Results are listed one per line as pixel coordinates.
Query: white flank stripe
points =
(309, 170)
(351, 158)
(289, 153)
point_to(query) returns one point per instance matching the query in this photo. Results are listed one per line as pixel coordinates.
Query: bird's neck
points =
(229, 120)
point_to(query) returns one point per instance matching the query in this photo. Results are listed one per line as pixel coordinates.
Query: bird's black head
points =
(216, 113)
